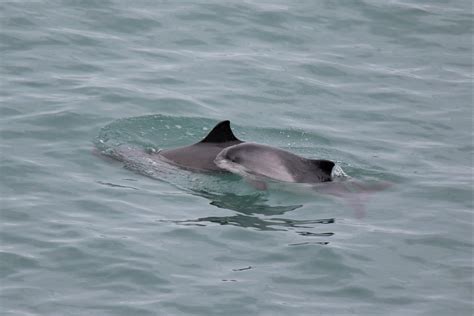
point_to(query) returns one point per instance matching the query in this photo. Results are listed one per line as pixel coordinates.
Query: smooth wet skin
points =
(200, 156)
(250, 159)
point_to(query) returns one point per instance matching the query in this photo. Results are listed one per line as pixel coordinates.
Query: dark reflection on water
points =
(250, 209)
(261, 224)
(247, 204)
(315, 234)
(310, 243)
(116, 185)
(272, 224)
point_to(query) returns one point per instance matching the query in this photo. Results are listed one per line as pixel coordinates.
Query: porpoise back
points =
(274, 163)
(200, 156)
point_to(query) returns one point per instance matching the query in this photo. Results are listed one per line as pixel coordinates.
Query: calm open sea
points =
(383, 87)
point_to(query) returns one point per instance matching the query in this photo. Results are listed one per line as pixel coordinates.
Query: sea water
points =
(382, 87)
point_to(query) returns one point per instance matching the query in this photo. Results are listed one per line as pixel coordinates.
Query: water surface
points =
(384, 89)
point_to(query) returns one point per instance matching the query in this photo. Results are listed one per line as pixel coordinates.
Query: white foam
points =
(337, 173)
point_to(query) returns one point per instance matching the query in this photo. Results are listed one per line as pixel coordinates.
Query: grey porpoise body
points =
(200, 156)
(250, 159)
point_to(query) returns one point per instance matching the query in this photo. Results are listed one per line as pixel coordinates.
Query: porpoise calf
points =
(252, 161)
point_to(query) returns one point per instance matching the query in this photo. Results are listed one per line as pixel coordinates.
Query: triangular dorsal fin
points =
(325, 166)
(221, 133)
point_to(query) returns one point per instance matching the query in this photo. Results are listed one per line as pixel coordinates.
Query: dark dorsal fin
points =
(221, 133)
(325, 166)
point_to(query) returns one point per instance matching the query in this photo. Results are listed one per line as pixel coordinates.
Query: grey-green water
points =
(384, 88)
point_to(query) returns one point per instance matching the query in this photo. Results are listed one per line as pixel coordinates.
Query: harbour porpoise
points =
(257, 162)
(200, 156)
